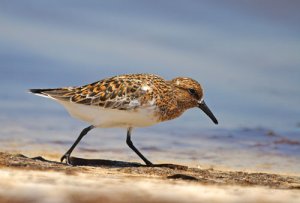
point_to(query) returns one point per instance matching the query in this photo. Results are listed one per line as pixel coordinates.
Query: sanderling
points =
(128, 101)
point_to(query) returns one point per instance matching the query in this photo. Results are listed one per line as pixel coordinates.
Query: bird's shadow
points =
(75, 161)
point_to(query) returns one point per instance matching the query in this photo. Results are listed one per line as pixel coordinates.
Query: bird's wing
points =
(115, 93)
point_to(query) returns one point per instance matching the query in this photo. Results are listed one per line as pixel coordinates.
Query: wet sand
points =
(37, 179)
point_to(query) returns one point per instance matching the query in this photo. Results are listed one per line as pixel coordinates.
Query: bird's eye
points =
(192, 91)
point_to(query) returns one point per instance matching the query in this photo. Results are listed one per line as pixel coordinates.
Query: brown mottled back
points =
(130, 92)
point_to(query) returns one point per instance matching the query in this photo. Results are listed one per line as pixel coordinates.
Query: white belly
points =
(108, 118)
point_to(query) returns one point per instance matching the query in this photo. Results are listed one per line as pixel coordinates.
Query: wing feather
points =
(115, 93)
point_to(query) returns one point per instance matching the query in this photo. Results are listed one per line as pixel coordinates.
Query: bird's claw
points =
(148, 163)
(65, 157)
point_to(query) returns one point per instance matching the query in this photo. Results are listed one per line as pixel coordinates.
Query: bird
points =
(128, 101)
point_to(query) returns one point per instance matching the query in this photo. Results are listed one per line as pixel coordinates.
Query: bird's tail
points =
(55, 93)
(41, 92)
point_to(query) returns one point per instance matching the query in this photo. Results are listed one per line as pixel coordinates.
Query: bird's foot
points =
(148, 163)
(67, 158)
(171, 166)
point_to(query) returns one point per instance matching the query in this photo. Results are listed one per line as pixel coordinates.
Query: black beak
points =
(207, 111)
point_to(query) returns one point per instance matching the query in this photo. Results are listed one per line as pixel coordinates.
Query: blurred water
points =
(244, 53)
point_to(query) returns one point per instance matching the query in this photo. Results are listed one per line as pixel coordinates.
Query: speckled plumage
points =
(131, 92)
(135, 100)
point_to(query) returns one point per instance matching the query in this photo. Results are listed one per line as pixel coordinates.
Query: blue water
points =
(246, 54)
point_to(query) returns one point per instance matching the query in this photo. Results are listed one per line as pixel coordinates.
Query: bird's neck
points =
(179, 107)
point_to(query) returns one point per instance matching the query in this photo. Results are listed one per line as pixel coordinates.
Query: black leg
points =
(68, 153)
(130, 144)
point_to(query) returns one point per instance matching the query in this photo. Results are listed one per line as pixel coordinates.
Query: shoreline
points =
(120, 183)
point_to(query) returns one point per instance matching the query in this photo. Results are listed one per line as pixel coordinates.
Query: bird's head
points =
(189, 94)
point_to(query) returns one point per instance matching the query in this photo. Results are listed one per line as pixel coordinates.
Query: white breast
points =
(108, 118)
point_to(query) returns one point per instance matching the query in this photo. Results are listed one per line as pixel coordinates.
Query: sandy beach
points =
(37, 179)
